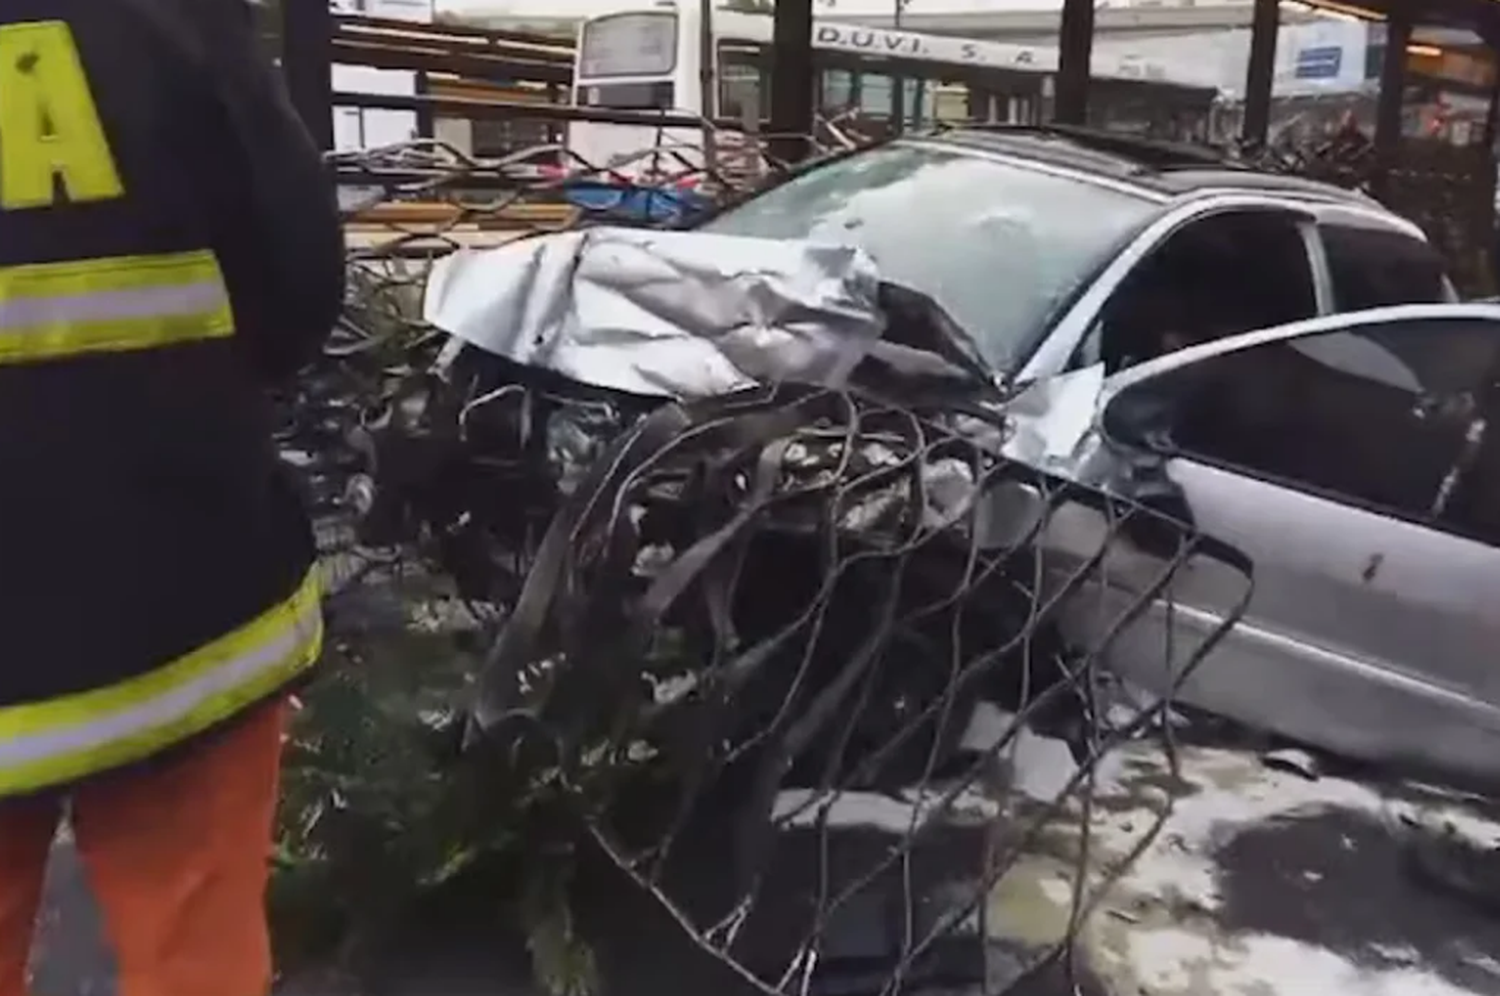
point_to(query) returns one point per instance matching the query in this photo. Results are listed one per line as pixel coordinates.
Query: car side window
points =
(1218, 276)
(1374, 416)
(1372, 267)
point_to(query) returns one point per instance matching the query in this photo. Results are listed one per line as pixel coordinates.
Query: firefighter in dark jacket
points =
(169, 248)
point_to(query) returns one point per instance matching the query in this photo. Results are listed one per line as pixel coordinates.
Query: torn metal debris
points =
(671, 314)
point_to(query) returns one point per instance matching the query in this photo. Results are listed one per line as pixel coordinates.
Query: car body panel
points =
(1367, 635)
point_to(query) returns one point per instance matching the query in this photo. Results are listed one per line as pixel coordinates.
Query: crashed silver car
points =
(1110, 292)
(787, 534)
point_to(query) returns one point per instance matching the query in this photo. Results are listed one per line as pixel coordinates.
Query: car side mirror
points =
(1136, 423)
(1141, 416)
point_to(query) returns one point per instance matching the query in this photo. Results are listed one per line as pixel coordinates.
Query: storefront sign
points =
(1320, 63)
(878, 43)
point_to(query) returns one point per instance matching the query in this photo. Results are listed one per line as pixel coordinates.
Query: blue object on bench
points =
(633, 202)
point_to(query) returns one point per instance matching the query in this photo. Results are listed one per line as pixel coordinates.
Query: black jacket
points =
(143, 511)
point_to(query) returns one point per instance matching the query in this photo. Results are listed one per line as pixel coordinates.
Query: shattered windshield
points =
(1000, 246)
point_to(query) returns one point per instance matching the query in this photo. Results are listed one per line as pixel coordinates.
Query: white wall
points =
(1206, 59)
(1304, 52)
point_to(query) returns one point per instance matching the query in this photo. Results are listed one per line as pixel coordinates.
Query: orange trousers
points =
(177, 852)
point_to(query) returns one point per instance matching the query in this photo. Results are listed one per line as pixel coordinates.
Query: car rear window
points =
(1375, 267)
(1002, 245)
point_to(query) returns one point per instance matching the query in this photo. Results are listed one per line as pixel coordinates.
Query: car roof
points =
(1159, 168)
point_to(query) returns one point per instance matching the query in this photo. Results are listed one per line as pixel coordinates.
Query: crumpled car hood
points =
(669, 314)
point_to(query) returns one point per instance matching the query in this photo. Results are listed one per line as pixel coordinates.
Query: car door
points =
(1334, 453)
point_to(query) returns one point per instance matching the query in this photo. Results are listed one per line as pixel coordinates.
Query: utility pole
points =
(1389, 101)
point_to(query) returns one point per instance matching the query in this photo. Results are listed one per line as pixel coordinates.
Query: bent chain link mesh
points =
(767, 608)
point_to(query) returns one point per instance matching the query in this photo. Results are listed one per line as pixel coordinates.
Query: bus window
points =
(916, 103)
(641, 44)
(875, 93)
(742, 86)
(655, 96)
(740, 93)
(950, 103)
(981, 105)
(836, 93)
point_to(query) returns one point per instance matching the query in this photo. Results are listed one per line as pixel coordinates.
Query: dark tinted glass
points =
(742, 86)
(1377, 417)
(635, 44)
(1474, 509)
(654, 96)
(1219, 276)
(1372, 268)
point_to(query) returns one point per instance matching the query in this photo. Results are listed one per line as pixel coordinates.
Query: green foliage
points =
(379, 809)
(368, 814)
(562, 961)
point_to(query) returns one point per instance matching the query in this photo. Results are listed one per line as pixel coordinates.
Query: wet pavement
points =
(1260, 880)
(70, 956)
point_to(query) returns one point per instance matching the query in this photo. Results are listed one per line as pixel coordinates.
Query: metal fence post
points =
(708, 83)
(792, 81)
(307, 61)
(1389, 102)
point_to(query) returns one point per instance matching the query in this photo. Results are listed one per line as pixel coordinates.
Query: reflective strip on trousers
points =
(117, 304)
(63, 740)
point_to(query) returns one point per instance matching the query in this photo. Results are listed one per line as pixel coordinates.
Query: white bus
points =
(648, 59)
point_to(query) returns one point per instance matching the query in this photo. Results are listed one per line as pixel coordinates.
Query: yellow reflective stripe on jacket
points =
(54, 310)
(56, 742)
